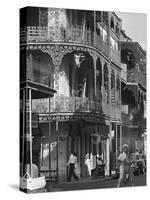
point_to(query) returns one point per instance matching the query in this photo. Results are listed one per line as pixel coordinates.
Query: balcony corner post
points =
(94, 57)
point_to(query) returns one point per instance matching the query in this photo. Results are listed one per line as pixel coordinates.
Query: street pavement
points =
(94, 184)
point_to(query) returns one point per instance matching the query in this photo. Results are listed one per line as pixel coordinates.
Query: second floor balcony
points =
(67, 105)
(75, 105)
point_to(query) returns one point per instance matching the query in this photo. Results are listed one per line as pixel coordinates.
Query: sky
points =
(135, 25)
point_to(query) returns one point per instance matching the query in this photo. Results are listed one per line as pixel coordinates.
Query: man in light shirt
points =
(71, 163)
(123, 162)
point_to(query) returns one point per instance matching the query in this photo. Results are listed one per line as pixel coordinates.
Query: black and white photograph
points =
(82, 100)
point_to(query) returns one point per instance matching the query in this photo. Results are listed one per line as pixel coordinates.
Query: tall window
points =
(114, 44)
(106, 83)
(118, 91)
(112, 23)
(142, 105)
(104, 35)
(112, 87)
(117, 28)
(98, 78)
(139, 97)
(144, 97)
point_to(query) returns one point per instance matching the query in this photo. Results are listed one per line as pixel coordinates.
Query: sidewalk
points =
(83, 183)
(87, 180)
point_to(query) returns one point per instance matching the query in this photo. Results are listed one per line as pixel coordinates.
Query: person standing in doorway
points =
(71, 163)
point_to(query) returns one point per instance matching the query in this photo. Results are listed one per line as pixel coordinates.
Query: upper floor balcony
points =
(77, 35)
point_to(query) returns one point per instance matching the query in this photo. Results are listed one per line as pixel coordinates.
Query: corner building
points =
(78, 51)
(134, 96)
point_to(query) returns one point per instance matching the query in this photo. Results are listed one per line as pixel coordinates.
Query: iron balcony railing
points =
(81, 35)
(67, 104)
(74, 105)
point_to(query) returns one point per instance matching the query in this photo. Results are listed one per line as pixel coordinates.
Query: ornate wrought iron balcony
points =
(78, 35)
(67, 104)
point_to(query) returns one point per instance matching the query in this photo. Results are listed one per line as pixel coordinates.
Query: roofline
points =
(117, 16)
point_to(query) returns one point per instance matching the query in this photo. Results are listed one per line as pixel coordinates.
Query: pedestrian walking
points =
(123, 166)
(88, 164)
(128, 174)
(72, 163)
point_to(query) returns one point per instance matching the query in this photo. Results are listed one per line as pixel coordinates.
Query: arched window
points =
(106, 83)
(99, 74)
(98, 77)
(112, 23)
(112, 79)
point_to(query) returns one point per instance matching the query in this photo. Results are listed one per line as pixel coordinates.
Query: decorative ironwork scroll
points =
(57, 52)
